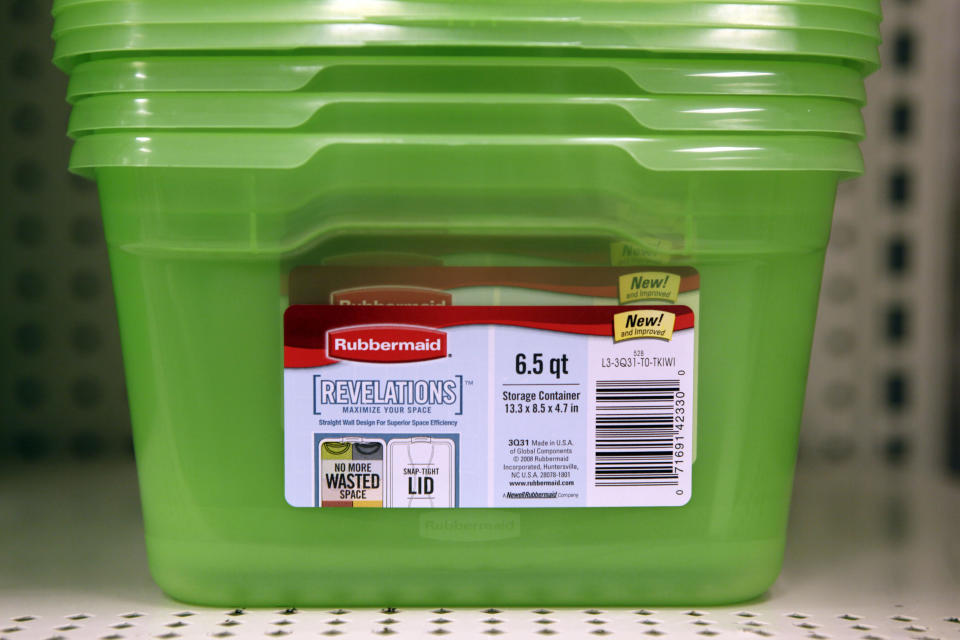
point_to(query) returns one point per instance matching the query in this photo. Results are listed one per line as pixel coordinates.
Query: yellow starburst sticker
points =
(643, 323)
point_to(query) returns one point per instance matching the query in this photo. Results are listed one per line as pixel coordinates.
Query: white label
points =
(506, 409)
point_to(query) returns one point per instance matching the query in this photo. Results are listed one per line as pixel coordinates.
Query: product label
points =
(402, 396)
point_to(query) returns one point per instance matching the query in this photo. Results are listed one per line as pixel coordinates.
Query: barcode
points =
(635, 433)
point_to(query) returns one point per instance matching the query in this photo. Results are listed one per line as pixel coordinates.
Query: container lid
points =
(282, 151)
(855, 49)
(701, 27)
(393, 7)
(454, 14)
(402, 74)
(494, 114)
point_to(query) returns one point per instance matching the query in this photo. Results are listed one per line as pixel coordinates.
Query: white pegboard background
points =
(877, 391)
(878, 387)
(61, 382)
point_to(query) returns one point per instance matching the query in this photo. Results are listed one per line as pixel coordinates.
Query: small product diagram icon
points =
(422, 472)
(351, 473)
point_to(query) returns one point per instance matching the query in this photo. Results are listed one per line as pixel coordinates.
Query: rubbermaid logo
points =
(386, 343)
(392, 295)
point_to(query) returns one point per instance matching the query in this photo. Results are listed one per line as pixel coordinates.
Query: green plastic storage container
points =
(841, 31)
(204, 229)
(464, 113)
(404, 6)
(402, 331)
(456, 14)
(89, 43)
(471, 74)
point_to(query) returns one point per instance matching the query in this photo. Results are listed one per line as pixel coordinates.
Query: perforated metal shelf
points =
(872, 559)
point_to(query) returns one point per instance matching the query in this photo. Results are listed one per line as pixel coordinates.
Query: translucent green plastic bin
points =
(834, 31)
(464, 113)
(869, 6)
(861, 20)
(250, 156)
(491, 74)
(203, 230)
(95, 42)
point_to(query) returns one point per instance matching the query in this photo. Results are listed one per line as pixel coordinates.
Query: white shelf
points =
(877, 559)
